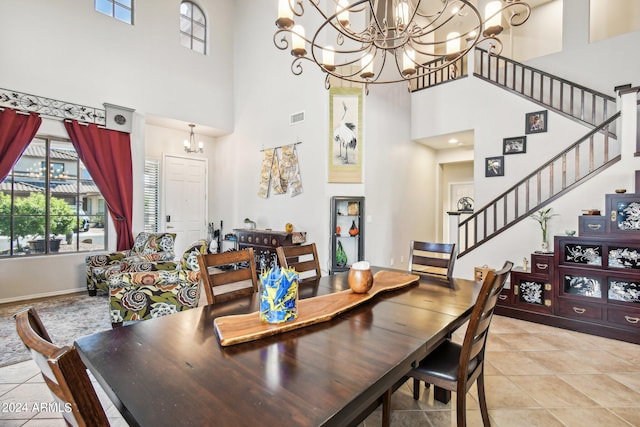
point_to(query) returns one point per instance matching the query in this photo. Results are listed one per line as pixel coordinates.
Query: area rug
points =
(66, 318)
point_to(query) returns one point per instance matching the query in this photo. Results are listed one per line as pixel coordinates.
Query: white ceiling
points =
(441, 142)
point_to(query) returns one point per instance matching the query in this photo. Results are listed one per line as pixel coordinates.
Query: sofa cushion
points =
(189, 259)
(148, 243)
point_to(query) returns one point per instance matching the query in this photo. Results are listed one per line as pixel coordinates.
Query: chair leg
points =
(416, 389)
(482, 398)
(441, 395)
(461, 409)
(386, 408)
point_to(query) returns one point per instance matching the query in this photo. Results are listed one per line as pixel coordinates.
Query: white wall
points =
(66, 50)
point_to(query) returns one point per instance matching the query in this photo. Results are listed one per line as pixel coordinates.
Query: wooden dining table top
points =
(173, 371)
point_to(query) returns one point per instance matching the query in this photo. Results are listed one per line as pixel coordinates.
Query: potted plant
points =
(543, 216)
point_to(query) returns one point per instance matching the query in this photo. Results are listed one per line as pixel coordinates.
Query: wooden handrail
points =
(586, 106)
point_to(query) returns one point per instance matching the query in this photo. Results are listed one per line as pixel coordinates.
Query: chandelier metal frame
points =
(190, 145)
(399, 32)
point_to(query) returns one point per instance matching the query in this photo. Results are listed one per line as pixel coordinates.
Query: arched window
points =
(193, 27)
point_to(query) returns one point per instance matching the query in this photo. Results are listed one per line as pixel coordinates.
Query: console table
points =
(265, 242)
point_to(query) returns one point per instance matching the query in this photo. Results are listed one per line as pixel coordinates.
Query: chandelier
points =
(190, 144)
(390, 41)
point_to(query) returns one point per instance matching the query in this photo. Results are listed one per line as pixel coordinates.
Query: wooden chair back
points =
(228, 275)
(63, 372)
(303, 258)
(436, 259)
(475, 337)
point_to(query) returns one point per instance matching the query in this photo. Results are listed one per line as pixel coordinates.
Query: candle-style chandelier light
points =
(389, 41)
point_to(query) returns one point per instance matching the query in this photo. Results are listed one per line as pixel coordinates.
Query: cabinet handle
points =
(633, 320)
(542, 266)
(547, 286)
(579, 310)
(594, 226)
(502, 297)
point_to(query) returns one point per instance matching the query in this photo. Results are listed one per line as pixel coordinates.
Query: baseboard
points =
(42, 295)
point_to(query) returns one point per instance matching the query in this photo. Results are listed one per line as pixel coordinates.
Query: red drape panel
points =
(16, 132)
(107, 156)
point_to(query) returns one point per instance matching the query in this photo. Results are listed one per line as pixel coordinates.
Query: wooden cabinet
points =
(531, 288)
(591, 283)
(347, 232)
(265, 242)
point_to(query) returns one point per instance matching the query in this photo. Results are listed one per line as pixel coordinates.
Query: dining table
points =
(173, 370)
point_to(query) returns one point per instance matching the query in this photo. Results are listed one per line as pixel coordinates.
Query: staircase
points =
(586, 157)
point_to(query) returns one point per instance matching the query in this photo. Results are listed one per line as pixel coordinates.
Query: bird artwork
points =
(345, 135)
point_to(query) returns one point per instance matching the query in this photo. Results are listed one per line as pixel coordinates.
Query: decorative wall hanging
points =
(516, 145)
(345, 133)
(494, 166)
(280, 174)
(536, 122)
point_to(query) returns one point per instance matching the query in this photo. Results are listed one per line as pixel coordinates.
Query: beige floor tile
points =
(516, 342)
(606, 391)
(630, 379)
(524, 418)
(516, 363)
(448, 418)
(630, 415)
(45, 423)
(573, 417)
(22, 402)
(504, 325)
(19, 372)
(555, 362)
(602, 360)
(552, 392)
(501, 392)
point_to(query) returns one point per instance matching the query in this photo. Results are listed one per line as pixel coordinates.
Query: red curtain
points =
(107, 156)
(16, 132)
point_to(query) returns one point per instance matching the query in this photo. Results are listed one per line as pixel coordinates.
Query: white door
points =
(184, 200)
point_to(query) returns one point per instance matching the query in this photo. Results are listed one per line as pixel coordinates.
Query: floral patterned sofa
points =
(147, 247)
(153, 289)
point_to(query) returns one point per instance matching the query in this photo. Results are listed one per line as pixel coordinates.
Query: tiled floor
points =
(536, 376)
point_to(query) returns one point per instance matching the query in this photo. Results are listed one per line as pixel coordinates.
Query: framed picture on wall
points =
(515, 145)
(494, 166)
(536, 122)
(345, 131)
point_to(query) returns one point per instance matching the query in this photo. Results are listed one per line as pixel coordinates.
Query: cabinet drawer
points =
(542, 265)
(624, 317)
(506, 297)
(592, 225)
(578, 310)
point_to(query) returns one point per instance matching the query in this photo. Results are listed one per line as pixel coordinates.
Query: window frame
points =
(114, 4)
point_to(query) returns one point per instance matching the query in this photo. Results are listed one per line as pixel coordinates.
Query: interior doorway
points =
(184, 199)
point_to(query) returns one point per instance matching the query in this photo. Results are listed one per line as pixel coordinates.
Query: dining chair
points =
(228, 275)
(63, 372)
(303, 258)
(431, 258)
(455, 367)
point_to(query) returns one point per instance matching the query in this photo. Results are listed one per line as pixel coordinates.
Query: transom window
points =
(122, 10)
(193, 27)
(50, 193)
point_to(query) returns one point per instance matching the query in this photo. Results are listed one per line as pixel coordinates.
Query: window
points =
(122, 10)
(151, 183)
(193, 27)
(50, 193)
